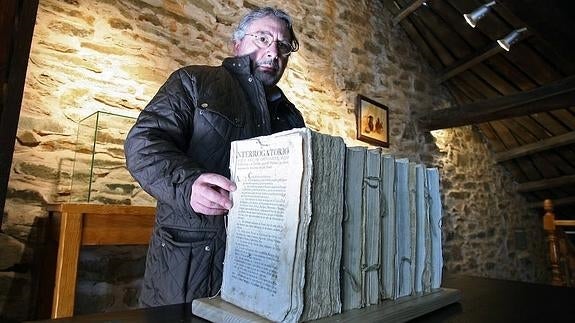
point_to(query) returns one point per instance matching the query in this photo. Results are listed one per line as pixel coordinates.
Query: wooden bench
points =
(561, 251)
(71, 226)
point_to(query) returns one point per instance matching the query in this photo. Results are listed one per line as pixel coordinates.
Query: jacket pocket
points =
(213, 109)
(187, 259)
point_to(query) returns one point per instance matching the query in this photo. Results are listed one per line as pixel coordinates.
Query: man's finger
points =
(218, 180)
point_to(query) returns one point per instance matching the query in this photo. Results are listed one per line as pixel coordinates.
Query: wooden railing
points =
(561, 250)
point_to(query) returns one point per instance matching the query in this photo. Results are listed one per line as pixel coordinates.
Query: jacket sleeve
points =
(156, 145)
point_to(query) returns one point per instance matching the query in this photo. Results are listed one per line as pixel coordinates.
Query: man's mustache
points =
(268, 63)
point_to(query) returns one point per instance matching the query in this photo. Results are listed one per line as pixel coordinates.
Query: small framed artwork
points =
(372, 121)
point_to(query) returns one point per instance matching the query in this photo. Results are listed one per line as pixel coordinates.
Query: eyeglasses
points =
(263, 40)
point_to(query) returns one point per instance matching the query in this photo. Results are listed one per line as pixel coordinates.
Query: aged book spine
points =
(351, 273)
(435, 214)
(403, 225)
(372, 226)
(388, 229)
(422, 231)
(412, 220)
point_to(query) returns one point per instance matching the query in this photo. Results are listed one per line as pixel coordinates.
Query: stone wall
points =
(488, 230)
(113, 55)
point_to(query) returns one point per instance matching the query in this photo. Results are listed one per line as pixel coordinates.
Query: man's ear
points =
(235, 47)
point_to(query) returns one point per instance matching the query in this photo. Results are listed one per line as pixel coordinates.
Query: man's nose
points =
(272, 50)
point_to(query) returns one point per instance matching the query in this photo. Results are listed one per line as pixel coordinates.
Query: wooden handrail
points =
(565, 223)
(561, 252)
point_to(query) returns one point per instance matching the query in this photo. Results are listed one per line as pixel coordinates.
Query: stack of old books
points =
(318, 228)
(392, 229)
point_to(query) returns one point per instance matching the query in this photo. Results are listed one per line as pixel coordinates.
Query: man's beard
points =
(268, 78)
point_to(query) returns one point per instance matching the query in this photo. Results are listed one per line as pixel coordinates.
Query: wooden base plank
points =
(400, 310)
(215, 309)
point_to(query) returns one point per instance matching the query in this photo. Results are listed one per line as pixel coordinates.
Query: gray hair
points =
(240, 31)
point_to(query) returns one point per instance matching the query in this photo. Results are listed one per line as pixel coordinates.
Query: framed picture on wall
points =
(372, 120)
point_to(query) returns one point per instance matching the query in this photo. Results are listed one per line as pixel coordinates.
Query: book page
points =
(263, 224)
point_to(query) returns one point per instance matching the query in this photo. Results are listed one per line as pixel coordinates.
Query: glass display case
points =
(99, 172)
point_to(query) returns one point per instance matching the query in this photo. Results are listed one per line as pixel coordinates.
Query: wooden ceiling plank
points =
(416, 38)
(556, 128)
(549, 164)
(539, 42)
(454, 43)
(525, 164)
(534, 127)
(496, 144)
(566, 117)
(502, 85)
(511, 72)
(532, 64)
(470, 91)
(535, 147)
(550, 124)
(521, 133)
(458, 94)
(562, 155)
(483, 87)
(490, 25)
(505, 134)
(456, 21)
(438, 48)
(494, 140)
(560, 163)
(546, 98)
(551, 21)
(495, 26)
(468, 62)
(564, 65)
(546, 184)
(407, 11)
(516, 172)
(568, 154)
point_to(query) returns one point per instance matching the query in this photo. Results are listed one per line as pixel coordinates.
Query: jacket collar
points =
(238, 65)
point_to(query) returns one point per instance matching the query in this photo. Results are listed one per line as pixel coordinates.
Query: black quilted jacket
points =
(186, 130)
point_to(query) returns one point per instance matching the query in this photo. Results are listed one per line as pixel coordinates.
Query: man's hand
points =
(211, 194)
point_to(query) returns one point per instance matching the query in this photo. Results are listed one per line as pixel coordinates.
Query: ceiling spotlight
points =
(511, 38)
(473, 17)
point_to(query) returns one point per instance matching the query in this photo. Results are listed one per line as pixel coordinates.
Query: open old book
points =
(283, 249)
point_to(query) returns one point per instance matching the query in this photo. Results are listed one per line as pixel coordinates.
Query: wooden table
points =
(71, 226)
(484, 300)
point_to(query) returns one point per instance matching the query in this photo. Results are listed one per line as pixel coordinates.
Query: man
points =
(178, 150)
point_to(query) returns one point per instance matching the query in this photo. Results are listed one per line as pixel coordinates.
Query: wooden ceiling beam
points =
(557, 95)
(407, 11)
(535, 147)
(545, 184)
(468, 62)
